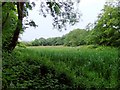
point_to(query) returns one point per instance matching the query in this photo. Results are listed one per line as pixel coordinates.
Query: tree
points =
(9, 22)
(107, 28)
(62, 13)
(76, 37)
(13, 14)
(48, 42)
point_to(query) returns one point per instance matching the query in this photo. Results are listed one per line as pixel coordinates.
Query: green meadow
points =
(61, 67)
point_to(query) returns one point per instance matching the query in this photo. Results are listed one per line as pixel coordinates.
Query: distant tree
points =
(76, 37)
(26, 43)
(48, 42)
(35, 42)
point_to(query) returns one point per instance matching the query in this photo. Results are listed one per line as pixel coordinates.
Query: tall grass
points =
(78, 67)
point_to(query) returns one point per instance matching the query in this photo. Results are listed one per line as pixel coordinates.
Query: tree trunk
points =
(15, 37)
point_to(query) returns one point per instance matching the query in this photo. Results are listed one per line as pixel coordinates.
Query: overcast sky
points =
(89, 9)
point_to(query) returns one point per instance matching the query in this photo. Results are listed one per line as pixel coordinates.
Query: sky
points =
(88, 8)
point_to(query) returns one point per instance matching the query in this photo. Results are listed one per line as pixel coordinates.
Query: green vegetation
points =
(107, 28)
(76, 37)
(43, 65)
(61, 67)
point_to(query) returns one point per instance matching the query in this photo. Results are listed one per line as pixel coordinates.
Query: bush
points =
(24, 72)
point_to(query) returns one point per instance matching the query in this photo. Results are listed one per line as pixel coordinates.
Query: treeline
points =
(74, 38)
(48, 42)
(105, 31)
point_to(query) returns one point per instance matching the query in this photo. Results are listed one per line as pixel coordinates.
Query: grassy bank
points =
(61, 67)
